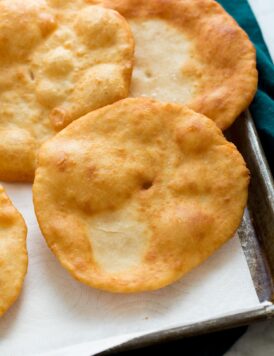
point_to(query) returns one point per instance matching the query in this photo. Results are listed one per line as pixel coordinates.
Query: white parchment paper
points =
(56, 313)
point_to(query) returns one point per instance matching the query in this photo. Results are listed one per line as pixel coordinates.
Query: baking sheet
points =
(56, 312)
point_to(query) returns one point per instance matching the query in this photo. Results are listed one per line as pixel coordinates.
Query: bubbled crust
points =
(162, 174)
(58, 61)
(222, 64)
(13, 253)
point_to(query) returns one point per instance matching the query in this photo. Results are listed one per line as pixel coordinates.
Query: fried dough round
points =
(134, 195)
(59, 59)
(13, 252)
(190, 52)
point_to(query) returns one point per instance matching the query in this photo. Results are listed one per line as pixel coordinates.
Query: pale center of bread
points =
(119, 239)
(160, 54)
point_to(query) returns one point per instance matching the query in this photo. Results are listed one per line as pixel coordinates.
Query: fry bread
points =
(190, 52)
(58, 61)
(134, 195)
(13, 252)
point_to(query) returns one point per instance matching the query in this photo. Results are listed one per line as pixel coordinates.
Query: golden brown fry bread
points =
(190, 52)
(13, 252)
(134, 195)
(59, 59)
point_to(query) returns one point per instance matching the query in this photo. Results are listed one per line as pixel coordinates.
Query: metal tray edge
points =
(177, 333)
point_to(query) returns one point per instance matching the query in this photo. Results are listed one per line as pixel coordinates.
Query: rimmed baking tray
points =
(257, 239)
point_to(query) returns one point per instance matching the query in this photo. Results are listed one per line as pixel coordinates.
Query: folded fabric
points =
(262, 107)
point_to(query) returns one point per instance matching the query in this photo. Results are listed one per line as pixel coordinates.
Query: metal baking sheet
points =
(257, 239)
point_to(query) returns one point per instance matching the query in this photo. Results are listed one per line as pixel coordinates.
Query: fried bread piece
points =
(134, 195)
(190, 52)
(58, 61)
(13, 252)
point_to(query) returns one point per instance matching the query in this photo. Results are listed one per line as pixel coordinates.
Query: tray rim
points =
(266, 312)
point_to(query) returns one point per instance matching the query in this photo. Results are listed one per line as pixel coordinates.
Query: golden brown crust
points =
(13, 252)
(223, 60)
(59, 60)
(134, 195)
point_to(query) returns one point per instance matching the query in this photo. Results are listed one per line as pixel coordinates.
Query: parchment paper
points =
(56, 312)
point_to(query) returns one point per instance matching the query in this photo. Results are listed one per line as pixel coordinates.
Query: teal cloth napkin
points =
(262, 107)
